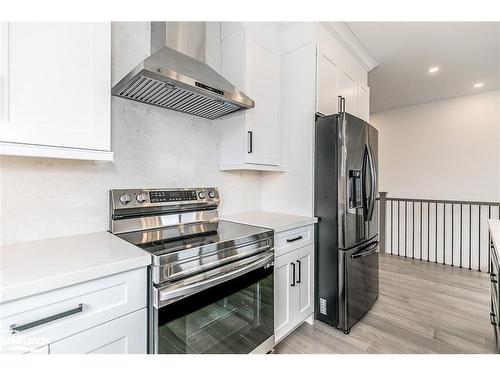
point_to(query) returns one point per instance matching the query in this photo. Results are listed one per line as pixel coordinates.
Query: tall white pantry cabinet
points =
(318, 63)
(55, 90)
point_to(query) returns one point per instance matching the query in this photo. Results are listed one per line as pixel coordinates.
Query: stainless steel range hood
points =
(176, 77)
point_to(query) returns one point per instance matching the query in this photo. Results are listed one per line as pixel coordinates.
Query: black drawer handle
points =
(294, 239)
(250, 142)
(293, 276)
(14, 328)
(300, 271)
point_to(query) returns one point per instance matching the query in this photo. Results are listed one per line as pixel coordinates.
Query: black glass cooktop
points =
(169, 240)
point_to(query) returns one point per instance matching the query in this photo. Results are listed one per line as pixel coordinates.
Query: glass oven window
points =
(233, 317)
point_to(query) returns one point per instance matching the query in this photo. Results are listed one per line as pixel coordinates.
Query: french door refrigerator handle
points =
(493, 277)
(373, 184)
(492, 319)
(366, 199)
(369, 250)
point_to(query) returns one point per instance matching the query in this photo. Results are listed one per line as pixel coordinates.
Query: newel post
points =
(382, 207)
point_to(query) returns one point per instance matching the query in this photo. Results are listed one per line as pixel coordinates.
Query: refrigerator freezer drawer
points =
(358, 283)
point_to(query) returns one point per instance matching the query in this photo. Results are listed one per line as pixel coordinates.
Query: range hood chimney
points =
(175, 75)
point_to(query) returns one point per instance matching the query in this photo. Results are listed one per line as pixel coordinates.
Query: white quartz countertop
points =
(35, 267)
(495, 234)
(272, 220)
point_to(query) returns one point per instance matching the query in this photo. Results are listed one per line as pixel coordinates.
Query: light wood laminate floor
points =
(422, 308)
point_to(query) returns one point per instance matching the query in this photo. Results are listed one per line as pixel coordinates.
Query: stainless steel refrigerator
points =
(347, 278)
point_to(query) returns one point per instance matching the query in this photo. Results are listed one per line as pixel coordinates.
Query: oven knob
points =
(142, 197)
(211, 194)
(202, 195)
(125, 198)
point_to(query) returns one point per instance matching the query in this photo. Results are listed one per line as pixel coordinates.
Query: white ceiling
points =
(466, 53)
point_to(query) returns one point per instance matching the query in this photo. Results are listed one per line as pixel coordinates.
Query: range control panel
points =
(172, 196)
(135, 198)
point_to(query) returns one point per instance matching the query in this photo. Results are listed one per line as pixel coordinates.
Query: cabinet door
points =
(263, 86)
(21, 349)
(305, 281)
(55, 84)
(347, 89)
(327, 95)
(364, 102)
(124, 335)
(285, 296)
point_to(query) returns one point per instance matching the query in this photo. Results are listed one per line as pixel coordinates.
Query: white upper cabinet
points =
(251, 61)
(55, 90)
(347, 89)
(339, 74)
(364, 102)
(327, 100)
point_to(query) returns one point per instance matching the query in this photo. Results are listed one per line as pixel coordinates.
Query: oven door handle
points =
(170, 294)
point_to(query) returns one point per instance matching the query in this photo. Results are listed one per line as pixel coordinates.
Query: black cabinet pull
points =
(492, 319)
(300, 271)
(293, 276)
(250, 142)
(294, 239)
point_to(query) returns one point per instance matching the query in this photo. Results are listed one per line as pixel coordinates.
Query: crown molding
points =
(347, 38)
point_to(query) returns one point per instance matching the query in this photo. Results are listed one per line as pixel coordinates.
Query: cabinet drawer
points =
(42, 319)
(293, 239)
(125, 335)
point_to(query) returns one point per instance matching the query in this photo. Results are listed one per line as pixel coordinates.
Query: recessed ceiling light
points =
(434, 69)
(478, 85)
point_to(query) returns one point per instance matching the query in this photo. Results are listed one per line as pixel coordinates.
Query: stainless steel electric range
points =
(211, 287)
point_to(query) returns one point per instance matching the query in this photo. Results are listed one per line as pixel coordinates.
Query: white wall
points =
(153, 147)
(447, 149)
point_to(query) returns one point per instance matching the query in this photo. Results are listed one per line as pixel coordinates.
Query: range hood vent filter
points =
(152, 91)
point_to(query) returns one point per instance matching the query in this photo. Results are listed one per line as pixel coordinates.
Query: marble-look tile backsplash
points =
(153, 147)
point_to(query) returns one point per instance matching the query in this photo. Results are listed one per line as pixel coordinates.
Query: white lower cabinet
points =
(293, 289)
(305, 281)
(124, 335)
(105, 315)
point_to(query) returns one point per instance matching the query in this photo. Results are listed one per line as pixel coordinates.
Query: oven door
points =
(225, 310)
